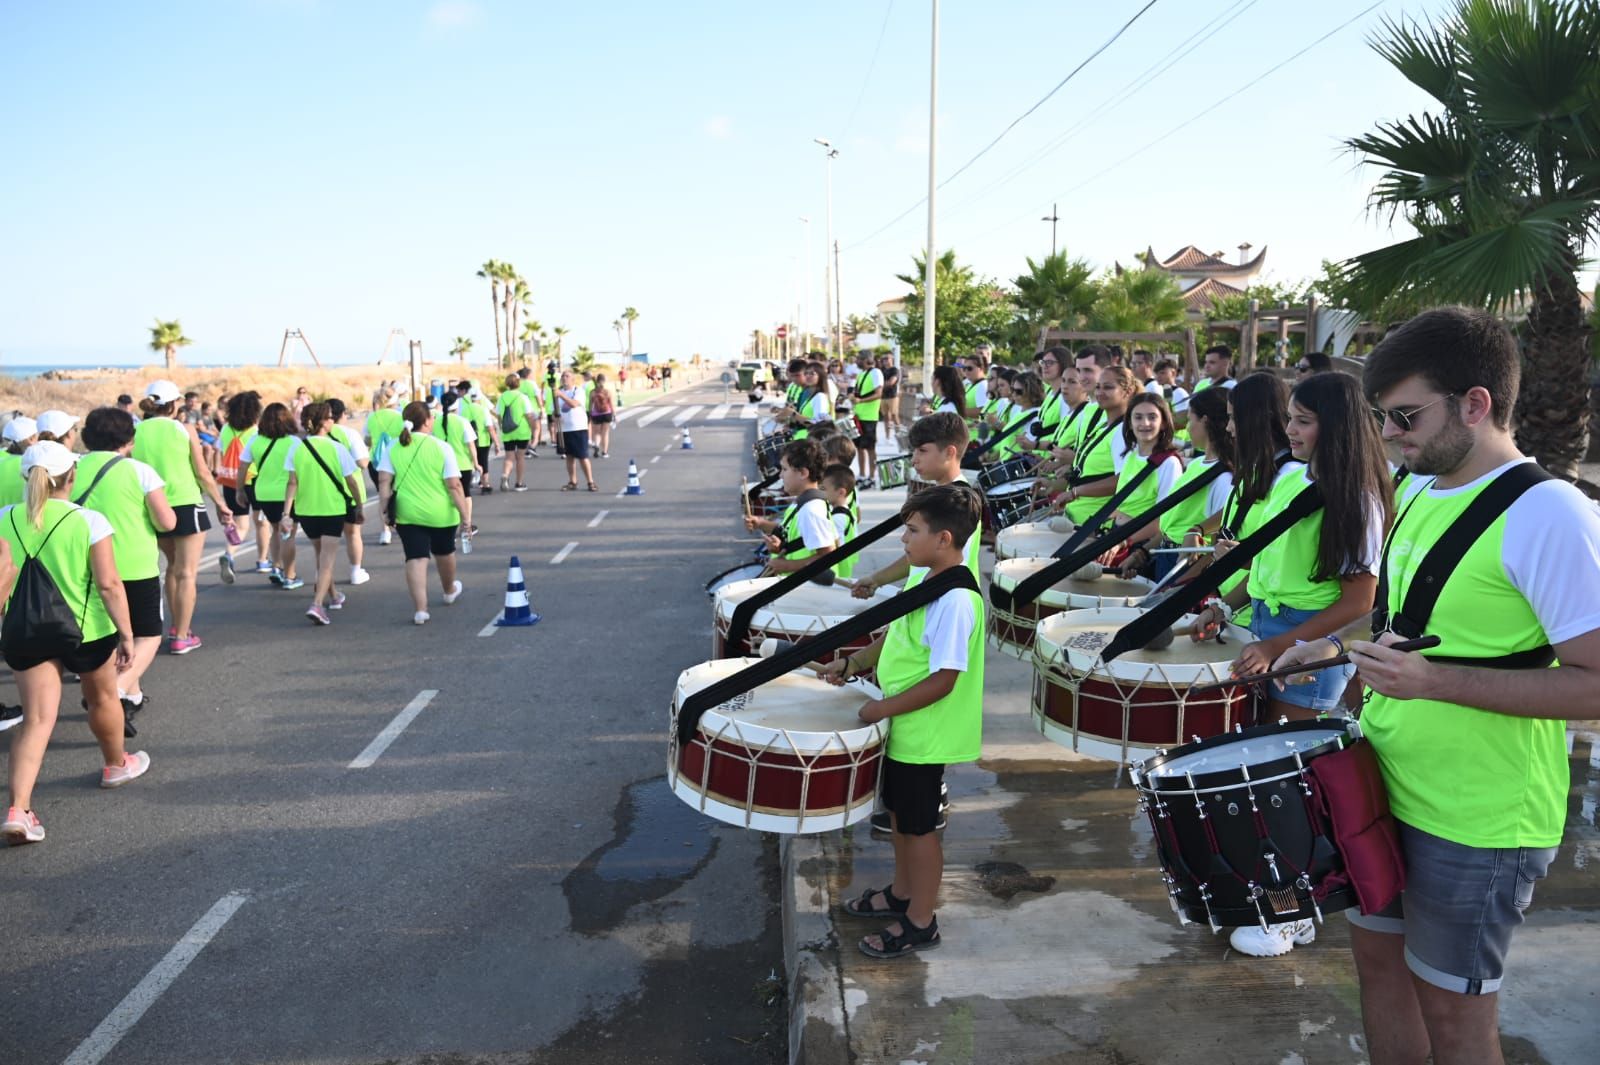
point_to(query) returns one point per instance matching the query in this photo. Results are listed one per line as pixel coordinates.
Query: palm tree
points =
(583, 361)
(490, 271)
(530, 330)
(508, 281)
(1502, 186)
(560, 331)
(1055, 292)
(1138, 301)
(856, 324)
(520, 297)
(460, 348)
(167, 337)
(616, 325)
(629, 315)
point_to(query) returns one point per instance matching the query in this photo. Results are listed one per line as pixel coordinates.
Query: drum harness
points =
(863, 624)
(1077, 477)
(810, 495)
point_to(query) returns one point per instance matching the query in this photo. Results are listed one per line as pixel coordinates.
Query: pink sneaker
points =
(182, 645)
(318, 615)
(134, 764)
(21, 826)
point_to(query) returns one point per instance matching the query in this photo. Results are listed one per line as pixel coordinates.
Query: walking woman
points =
(243, 411)
(266, 477)
(172, 449)
(474, 408)
(321, 496)
(515, 412)
(602, 413)
(133, 499)
(462, 437)
(343, 434)
(73, 547)
(20, 434)
(383, 428)
(419, 479)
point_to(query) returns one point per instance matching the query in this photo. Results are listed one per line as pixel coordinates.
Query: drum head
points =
(1010, 572)
(1030, 539)
(742, 572)
(1264, 751)
(1077, 637)
(807, 609)
(798, 711)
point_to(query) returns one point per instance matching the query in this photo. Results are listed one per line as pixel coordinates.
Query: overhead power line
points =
(867, 80)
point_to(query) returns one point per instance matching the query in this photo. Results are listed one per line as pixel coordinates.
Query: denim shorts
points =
(1459, 908)
(1326, 688)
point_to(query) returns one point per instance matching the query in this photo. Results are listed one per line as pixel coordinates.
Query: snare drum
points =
(743, 572)
(801, 613)
(1137, 704)
(770, 503)
(1007, 504)
(768, 449)
(1005, 472)
(790, 756)
(915, 483)
(1032, 539)
(893, 472)
(1240, 827)
(1012, 630)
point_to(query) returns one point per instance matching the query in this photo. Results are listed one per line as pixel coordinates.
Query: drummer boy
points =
(937, 443)
(930, 669)
(806, 527)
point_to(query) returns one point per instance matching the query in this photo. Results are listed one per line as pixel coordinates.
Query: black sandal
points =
(862, 907)
(571, 487)
(910, 940)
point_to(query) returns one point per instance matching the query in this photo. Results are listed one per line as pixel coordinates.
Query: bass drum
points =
(1032, 539)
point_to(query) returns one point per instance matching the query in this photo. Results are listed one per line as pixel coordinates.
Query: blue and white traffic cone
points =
(688, 445)
(518, 611)
(634, 487)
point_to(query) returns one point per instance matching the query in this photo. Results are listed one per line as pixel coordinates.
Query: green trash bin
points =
(747, 378)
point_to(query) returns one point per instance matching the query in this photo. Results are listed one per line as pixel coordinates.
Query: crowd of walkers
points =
(103, 522)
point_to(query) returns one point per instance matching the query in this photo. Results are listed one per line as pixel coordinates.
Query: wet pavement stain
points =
(658, 843)
(1005, 880)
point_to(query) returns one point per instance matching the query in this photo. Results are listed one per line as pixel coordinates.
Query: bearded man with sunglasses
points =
(1502, 563)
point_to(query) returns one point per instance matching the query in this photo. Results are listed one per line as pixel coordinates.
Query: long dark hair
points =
(1260, 410)
(415, 413)
(1210, 405)
(948, 384)
(1349, 467)
(446, 401)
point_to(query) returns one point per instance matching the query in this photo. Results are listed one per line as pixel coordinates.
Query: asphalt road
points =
(509, 881)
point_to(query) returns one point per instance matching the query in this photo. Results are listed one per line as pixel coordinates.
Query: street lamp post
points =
(831, 153)
(1052, 218)
(929, 279)
(805, 326)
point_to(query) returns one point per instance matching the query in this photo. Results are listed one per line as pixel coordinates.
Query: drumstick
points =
(772, 646)
(1422, 643)
(744, 496)
(1183, 551)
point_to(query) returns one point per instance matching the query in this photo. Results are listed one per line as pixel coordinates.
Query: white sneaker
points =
(1277, 940)
(454, 593)
(134, 764)
(419, 618)
(385, 537)
(359, 575)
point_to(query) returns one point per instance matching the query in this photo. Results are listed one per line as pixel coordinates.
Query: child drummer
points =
(806, 527)
(937, 443)
(930, 669)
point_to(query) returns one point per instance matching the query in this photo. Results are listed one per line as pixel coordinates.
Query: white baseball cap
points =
(20, 428)
(57, 422)
(164, 392)
(52, 456)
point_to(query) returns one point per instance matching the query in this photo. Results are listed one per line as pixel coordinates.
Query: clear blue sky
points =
(344, 167)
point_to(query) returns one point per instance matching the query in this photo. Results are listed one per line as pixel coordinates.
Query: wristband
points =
(1338, 645)
(1224, 609)
(849, 666)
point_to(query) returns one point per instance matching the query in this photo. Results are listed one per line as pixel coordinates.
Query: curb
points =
(818, 1018)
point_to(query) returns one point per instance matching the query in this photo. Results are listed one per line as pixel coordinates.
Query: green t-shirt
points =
(1474, 777)
(62, 545)
(866, 382)
(119, 497)
(1149, 493)
(267, 473)
(344, 436)
(421, 495)
(1281, 575)
(454, 432)
(951, 729)
(12, 487)
(1093, 459)
(383, 429)
(316, 494)
(163, 445)
(520, 403)
(851, 523)
(479, 421)
(1176, 522)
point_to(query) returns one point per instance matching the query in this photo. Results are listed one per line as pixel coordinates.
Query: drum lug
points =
(1199, 803)
(1304, 884)
(1211, 919)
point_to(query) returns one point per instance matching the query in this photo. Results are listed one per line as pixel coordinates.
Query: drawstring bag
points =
(39, 623)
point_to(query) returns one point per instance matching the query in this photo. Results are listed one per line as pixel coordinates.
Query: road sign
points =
(727, 378)
(783, 331)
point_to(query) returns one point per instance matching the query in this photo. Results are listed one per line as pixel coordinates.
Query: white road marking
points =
(392, 730)
(625, 414)
(752, 411)
(494, 623)
(720, 411)
(144, 994)
(689, 412)
(647, 469)
(668, 446)
(655, 459)
(655, 412)
(600, 517)
(561, 555)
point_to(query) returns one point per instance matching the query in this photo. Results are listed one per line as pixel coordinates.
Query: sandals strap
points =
(910, 938)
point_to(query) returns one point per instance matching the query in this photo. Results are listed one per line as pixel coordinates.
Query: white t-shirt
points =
(815, 525)
(1154, 388)
(1217, 494)
(1119, 449)
(947, 407)
(1167, 475)
(1179, 401)
(149, 479)
(1550, 551)
(947, 630)
(852, 371)
(451, 467)
(575, 417)
(358, 446)
(819, 407)
(841, 525)
(99, 527)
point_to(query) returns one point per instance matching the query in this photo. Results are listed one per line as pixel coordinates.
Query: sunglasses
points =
(1402, 416)
(1304, 367)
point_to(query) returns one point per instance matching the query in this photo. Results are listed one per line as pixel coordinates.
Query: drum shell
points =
(1005, 472)
(770, 503)
(790, 622)
(1009, 504)
(1012, 631)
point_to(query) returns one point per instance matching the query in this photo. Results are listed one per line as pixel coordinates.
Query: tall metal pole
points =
(827, 293)
(929, 280)
(838, 303)
(1053, 217)
(805, 328)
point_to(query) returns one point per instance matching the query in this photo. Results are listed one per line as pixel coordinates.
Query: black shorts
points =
(483, 452)
(911, 792)
(869, 430)
(316, 525)
(192, 520)
(576, 443)
(144, 606)
(607, 419)
(272, 509)
(466, 475)
(85, 658)
(420, 541)
(230, 496)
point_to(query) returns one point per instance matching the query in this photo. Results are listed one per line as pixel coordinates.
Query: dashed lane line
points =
(392, 730)
(654, 459)
(720, 411)
(561, 555)
(594, 523)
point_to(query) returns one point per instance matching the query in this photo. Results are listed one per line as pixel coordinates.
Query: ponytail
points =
(416, 416)
(40, 485)
(152, 409)
(446, 401)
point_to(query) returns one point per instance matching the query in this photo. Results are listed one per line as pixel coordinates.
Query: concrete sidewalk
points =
(1060, 946)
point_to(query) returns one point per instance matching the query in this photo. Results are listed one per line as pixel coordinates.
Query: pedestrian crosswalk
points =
(683, 415)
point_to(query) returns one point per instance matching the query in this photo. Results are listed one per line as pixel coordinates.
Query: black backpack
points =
(39, 623)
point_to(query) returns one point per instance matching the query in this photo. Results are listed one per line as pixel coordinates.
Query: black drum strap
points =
(760, 486)
(1399, 476)
(1444, 558)
(1241, 507)
(829, 640)
(1141, 629)
(1098, 519)
(1066, 561)
(810, 495)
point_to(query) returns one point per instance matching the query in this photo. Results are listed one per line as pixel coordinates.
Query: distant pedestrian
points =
(355, 548)
(72, 548)
(321, 497)
(173, 450)
(574, 432)
(602, 413)
(244, 410)
(302, 399)
(420, 476)
(518, 417)
(265, 470)
(474, 407)
(383, 429)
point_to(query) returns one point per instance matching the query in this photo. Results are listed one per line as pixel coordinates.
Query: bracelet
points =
(1338, 645)
(849, 666)
(1224, 609)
